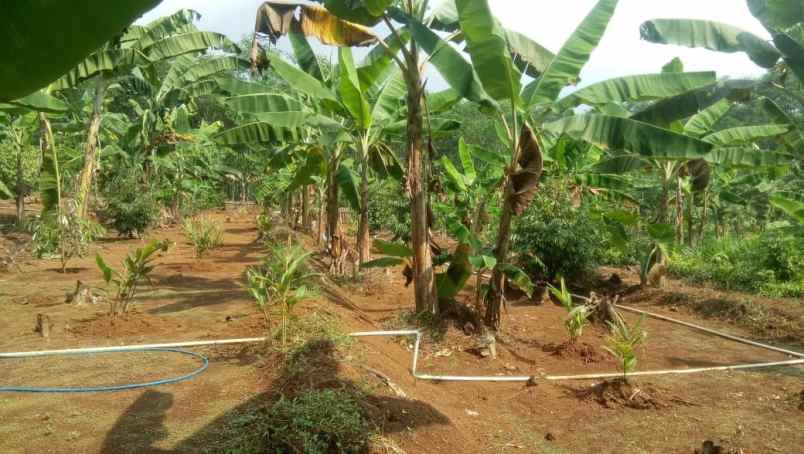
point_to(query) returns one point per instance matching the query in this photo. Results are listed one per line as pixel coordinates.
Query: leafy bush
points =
(65, 236)
(771, 264)
(318, 422)
(203, 233)
(131, 205)
(554, 239)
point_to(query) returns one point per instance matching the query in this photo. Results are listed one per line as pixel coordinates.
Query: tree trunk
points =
(91, 149)
(307, 220)
(363, 231)
(679, 212)
(333, 208)
(423, 273)
(690, 221)
(20, 189)
(664, 202)
(704, 216)
(497, 283)
(497, 290)
(320, 226)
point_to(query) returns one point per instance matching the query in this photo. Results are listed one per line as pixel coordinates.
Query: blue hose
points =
(98, 389)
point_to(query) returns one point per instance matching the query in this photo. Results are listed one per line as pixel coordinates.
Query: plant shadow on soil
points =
(314, 366)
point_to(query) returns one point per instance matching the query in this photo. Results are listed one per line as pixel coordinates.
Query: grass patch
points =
(770, 264)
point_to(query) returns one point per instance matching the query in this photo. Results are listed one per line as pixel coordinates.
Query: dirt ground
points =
(757, 411)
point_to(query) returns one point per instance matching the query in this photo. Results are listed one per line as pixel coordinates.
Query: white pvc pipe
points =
(461, 378)
(125, 348)
(711, 331)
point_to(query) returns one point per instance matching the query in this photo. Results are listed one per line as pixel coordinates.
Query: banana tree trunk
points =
(333, 208)
(664, 202)
(497, 282)
(704, 216)
(320, 226)
(20, 189)
(91, 149)
(423, 273)
(690, 221)
(679, 212)
(307, 220)
(363, 231)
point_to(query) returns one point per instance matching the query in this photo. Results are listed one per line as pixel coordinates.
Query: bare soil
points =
(756, 411)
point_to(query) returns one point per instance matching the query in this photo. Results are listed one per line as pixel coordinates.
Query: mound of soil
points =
(615, 394)
(587, 353)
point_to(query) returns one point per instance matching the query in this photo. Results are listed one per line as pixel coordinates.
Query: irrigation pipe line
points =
(130, 348)
(113, 388)
(710, 331)
(458, 378)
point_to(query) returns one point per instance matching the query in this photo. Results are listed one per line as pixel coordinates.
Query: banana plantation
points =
(399, 226)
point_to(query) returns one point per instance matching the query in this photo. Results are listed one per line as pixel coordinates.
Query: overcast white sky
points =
(550, 22)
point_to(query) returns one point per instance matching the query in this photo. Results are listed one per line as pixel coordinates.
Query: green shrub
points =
(554, 239)
(318, 422)
(203, 233)
(130, 205)
(64, 237)
(771, 264)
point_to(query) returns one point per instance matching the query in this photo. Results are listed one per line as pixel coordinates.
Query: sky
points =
(550, 23)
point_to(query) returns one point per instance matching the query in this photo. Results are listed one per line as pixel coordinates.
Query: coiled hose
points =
(112, 388)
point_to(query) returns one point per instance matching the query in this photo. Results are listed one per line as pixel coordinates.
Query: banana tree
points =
(23, 117)
(366, 96)
(140, 47)
(785, 54)
(731, 146)
(494, 52)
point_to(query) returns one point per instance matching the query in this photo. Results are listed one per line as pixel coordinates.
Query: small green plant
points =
(137, 267)
(264, 226)
(622, 342)
(577, 316)
(282, 280)
(203, 233)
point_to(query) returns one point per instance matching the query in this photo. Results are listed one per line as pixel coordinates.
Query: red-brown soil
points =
(756, 411)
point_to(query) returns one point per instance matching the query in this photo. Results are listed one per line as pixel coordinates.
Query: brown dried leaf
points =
(699, 172)
(525, 180)
(329, 29)
(275, 17)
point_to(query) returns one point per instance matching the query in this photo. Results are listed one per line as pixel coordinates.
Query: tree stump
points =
(43, 325)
